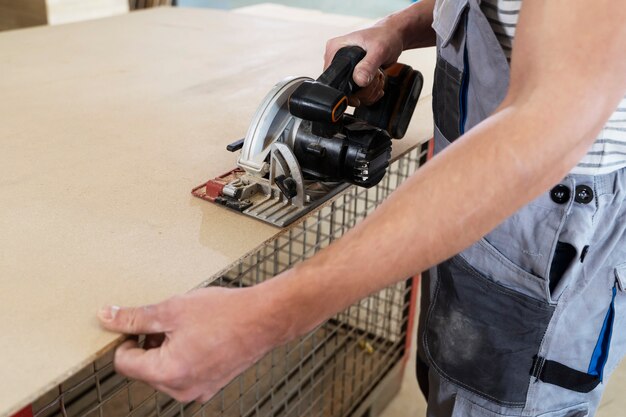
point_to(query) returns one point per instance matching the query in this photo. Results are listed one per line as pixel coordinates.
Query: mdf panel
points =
(106, 127)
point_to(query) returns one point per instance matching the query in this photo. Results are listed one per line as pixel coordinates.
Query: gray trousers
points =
(547, 283)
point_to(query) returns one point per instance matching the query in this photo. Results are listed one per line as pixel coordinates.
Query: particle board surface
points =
(295, 14)
(106, 126)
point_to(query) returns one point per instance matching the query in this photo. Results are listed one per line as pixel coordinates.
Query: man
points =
(531, 193)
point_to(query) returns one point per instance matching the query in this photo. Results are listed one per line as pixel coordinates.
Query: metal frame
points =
(351, 365)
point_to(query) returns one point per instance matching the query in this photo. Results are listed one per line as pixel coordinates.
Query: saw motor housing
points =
(302, 147)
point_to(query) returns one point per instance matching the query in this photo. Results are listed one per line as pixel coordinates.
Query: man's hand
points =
(384, 42)
(195, 343)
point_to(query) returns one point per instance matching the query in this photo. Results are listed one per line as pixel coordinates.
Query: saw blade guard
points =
(269, 123)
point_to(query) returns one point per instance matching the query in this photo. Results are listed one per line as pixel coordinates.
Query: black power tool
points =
(302, 147)
(352, 147)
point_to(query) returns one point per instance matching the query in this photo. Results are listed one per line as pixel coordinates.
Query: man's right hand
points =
(383, 46)
(383, 43)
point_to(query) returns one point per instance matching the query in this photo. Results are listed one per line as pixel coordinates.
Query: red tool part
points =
(212, 189)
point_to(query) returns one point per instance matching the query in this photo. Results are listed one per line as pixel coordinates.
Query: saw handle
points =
(326, 99)
(339, 73)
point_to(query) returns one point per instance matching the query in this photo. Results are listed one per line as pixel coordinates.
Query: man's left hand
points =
(195, 343)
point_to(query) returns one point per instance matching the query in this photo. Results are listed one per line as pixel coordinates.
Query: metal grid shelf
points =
(329, 372)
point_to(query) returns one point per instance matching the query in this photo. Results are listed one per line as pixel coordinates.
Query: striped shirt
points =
(608, 152)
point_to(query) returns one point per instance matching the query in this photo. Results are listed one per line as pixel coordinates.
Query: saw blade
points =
(268, 125)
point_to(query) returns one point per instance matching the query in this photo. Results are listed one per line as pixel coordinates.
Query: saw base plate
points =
(268, 205)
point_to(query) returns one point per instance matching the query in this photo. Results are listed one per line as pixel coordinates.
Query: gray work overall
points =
(530, 320)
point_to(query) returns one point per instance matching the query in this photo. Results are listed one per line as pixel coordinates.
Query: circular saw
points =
(303, 147)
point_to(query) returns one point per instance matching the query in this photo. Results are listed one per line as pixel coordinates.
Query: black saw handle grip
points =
(339, 73)
(326, 99)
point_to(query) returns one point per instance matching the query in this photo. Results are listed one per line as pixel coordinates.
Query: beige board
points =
(295, 14)
(105, 127)
(23, 13)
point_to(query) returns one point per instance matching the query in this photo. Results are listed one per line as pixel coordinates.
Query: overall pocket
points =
(483, 336)
(447, 98)
(466, 408)
(450, 82)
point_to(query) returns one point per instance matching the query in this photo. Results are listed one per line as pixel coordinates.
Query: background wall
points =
(364, 8)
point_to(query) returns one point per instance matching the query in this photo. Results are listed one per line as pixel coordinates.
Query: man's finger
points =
(365, 71)
(329, 54)
(137, 363)
(134, 320)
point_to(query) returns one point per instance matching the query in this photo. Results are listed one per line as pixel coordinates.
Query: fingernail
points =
(363, 77)
(108, 313)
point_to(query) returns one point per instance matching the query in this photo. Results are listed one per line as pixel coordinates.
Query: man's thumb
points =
(364, 72)
(132, 320)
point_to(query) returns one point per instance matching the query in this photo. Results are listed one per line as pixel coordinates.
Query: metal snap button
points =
(560, 194)
(584, 194)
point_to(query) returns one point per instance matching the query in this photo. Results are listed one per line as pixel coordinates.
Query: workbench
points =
(106, 127)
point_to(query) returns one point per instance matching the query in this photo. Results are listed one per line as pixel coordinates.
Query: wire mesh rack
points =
(329, 372)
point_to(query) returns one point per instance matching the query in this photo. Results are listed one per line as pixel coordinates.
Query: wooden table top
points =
(106, 127)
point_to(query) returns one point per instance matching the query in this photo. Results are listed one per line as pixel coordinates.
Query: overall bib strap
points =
(556, 373)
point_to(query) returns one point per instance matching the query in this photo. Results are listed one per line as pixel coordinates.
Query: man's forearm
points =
(415, 24)
(451, 202)
(559, 98)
